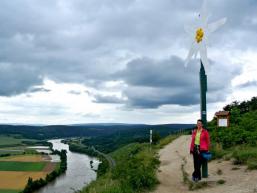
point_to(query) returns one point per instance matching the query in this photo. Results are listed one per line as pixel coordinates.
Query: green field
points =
(11, 152)
(22, 166)
(9, 191)
(9, 141)
(13, 140)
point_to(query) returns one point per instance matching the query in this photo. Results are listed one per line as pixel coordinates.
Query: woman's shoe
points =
(195, 179)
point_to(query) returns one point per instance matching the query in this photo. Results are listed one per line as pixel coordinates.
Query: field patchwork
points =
(16, 170)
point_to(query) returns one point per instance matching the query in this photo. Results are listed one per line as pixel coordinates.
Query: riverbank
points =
(78, 173)
(33, 185)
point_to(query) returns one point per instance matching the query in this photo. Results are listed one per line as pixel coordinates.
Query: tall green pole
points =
(203, 86)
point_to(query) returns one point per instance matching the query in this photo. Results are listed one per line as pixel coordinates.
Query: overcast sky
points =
(64, 62)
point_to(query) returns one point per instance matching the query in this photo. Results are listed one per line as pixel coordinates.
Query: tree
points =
(156, 137)
(235, 115)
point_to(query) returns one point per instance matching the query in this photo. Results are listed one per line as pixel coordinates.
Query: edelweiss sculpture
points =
(200, 33)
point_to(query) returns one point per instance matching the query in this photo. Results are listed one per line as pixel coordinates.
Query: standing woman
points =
(200, 143)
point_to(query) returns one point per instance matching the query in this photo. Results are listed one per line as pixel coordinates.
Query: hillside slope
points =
(237, 178)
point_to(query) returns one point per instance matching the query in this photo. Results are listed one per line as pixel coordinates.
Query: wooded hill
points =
(88, 130)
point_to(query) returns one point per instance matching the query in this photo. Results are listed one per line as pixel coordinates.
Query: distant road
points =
(110, 160)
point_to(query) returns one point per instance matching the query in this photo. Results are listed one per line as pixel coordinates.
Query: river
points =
(78, 174)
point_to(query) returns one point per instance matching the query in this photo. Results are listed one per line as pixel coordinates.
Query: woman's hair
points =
(200, 120)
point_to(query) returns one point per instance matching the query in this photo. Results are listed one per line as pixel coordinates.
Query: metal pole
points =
(203, 86)
(203, 110)
(151, 136)
(151, 139)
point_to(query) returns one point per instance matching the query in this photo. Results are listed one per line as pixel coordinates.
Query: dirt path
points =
(237, 179)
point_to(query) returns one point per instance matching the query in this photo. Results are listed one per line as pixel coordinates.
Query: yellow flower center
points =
(199, 35)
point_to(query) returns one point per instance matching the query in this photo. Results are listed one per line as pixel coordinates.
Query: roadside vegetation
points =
(135, 170)
(239, 141)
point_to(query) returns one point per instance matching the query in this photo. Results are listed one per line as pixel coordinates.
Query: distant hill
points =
(91, 130)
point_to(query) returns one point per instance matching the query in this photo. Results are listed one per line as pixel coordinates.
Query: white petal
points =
(203, 54)
(205, 39)
(193, 50)
(203, 12)
(216, 25)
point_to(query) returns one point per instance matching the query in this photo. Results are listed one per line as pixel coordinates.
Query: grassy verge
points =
(21, 166)
(165, 141)
(246, 155)
(135, 171)
(240, 155)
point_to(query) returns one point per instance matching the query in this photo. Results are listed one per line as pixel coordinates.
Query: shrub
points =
(242, 155)
(221, 181)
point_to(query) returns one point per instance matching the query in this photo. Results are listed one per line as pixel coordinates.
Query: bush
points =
(242, 155)
(252, 164)
(103, 167)
(135, 171)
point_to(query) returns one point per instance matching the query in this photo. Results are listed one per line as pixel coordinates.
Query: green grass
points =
(165, 141)
(21, 166)
(240, 155)
(246, 155)
(135, 171)
(9, 191)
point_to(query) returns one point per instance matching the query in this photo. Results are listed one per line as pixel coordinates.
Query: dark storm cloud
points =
(16, 79)
(80, 41)
(153, 83)
(108, 99)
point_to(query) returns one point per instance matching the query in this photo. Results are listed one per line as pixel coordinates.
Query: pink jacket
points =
(204, 140)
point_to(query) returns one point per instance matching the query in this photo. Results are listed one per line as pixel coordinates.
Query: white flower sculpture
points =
(200, 33)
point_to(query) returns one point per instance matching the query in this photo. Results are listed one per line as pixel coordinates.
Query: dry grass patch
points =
(18, 180)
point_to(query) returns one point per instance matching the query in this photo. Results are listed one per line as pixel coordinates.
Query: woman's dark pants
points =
(197, 163)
